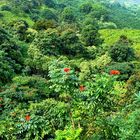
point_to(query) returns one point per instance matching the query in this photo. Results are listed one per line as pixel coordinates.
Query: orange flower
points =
(82, 88)
(66, 70)
(114, 72)
(27, 117)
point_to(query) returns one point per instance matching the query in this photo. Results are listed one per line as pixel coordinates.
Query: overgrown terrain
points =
(69, 70)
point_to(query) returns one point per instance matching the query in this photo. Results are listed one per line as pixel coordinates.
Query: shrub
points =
(35, 17)
(50, 3)
(38, 122)
(71, 43)
(6, 8)
(10, 57)
(86, 8)
(19, 28)
(26, 9)
(133, 84)
(49, 15)
(30, 35)
(121, 51)
(90, 36)
(1, 15)
(48, 42)
(126, 69)
(4, 36)
(68, 15)
(45, 24)
(25, 89)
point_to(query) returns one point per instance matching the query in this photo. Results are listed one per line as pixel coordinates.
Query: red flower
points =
(82, 88)
(114, 72)
(27, 118)
(66, 70)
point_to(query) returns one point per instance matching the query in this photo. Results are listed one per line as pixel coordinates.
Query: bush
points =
(30, 35)
(68, 15)
(35, 17)
(6, 71)
(86, 8)
(25, 89)
(126, 69)
(44, 24)
(6, 8)
(49, 15)
(37, 122)
(133, 84)
(26, 9)
(4, 36)
(50, 3)
(19, 28)
(10, 57)
(48, 42)
(71, 43)
(90, 36)
(121, 51)
(1, 15)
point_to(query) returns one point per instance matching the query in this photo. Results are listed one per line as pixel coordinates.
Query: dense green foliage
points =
(10, 57)
(121, 52)
(69, 70)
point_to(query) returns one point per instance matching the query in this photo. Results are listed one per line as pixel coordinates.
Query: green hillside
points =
(69, 70)
(125, 18)
(30, 11)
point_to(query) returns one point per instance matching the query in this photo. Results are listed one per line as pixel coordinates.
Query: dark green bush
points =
(10, 57)
(90, 36)
(6, 8)
(121, 51)
(35, 17)
(1, 15)
(25, 88)
(4, 36)
(71, 43)
(50, 3)
(19, 28)
(48, 42)
(49, 15)
(86, 8)
(68, 15)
